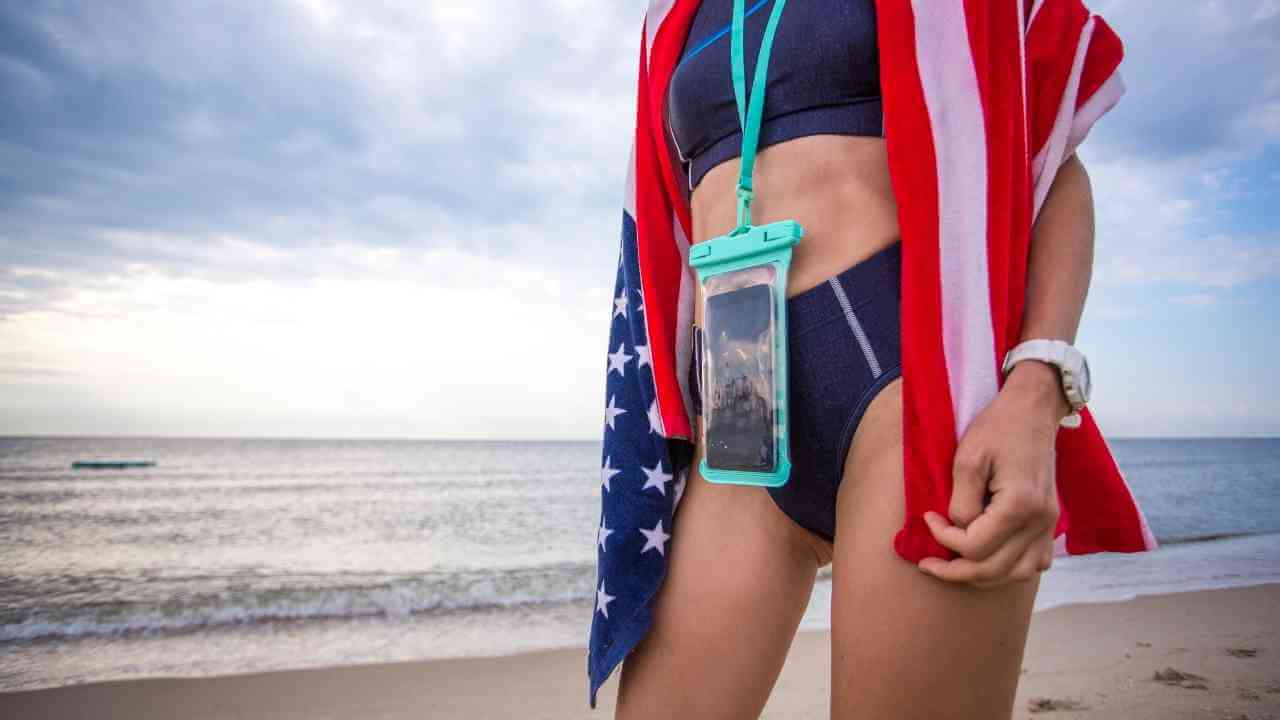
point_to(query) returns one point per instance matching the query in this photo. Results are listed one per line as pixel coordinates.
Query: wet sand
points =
(1204, 654)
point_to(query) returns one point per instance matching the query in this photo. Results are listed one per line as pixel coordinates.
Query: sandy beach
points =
(1216, 654)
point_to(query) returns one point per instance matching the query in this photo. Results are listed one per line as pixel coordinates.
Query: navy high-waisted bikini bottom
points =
(842, 348)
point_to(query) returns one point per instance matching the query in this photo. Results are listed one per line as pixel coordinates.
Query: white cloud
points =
(1196, 299)
(1154, 227)
(438, 344)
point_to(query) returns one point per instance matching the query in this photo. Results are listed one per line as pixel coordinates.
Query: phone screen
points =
(738, 397)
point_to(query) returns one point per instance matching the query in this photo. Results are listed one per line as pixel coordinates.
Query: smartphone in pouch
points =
(738, 395)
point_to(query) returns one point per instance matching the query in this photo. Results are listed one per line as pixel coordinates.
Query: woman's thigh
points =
(739, 576)
(905, 644)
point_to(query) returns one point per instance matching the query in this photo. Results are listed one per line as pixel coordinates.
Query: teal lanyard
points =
(750, 117)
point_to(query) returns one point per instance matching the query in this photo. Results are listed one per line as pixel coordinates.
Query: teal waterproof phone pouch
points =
(743, 276)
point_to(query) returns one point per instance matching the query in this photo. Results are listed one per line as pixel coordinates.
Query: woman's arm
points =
(1059, 269)
(1008, 450)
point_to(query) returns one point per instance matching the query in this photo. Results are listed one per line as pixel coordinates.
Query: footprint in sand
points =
(1044, 704)
(1177, 678)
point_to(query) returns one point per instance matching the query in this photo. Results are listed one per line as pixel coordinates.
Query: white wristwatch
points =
(1071, 364)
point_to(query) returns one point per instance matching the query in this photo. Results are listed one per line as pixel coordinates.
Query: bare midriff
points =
(836, 186)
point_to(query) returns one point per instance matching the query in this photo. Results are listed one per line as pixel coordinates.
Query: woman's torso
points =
(836, 185)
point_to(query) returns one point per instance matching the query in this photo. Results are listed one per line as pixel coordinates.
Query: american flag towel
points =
(983, 101)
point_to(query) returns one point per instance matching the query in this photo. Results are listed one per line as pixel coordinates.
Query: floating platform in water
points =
(111, 464)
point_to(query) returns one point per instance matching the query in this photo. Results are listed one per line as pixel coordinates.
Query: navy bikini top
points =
(824, 77)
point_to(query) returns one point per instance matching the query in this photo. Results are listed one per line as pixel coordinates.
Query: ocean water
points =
(238, 555)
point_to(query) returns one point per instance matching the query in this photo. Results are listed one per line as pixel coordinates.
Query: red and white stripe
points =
(983, 101)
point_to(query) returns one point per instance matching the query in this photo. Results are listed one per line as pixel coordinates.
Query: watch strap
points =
(1049, 350)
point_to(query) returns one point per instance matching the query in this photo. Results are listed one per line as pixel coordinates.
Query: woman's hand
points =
(1007, 450)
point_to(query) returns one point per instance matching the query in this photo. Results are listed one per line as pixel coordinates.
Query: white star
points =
(655, 478)
(606, 473)
(653, 539)
(602, 600)
(620, 306)
(642, 352)
(655, 420)
(640, 305)
(611, 412)
(604, 533)
(618, 359)
(680, 484)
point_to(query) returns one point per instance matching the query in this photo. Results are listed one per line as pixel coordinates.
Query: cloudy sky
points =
(322, 219)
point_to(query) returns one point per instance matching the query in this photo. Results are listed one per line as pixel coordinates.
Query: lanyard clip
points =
(745, 195)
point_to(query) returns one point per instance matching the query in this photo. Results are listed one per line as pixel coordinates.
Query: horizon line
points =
(407, 438)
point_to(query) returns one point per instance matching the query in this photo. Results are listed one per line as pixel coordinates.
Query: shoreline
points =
(1109, 676)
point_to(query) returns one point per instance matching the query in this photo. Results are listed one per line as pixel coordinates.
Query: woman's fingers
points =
(1010, 511)
(1012, 539)
(1046, 555)
(1000, 567)
(1032, 561)
(982, 537)
(1012, 507)
(970, 472)
(1023, 568)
